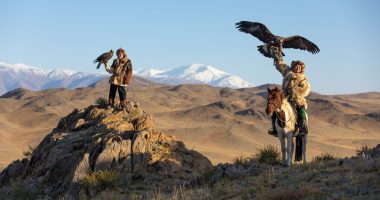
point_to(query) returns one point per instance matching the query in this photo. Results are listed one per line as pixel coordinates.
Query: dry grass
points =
(104, 195)
(241, 160)
(345, 178)
(28, 153)
(324, 157)
(283, 194)
(100, 180)
(268, 155)
(19, 192)
(366, 152)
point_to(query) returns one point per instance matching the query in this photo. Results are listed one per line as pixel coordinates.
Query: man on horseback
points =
(295, 87)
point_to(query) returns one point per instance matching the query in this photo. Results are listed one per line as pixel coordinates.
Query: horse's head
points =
(274, 100)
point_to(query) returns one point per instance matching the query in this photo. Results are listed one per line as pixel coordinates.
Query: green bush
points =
(101, 180)
(324, 157)
(102, 102)
(269, 155)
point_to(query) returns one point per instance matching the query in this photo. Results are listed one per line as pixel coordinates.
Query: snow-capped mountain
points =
(14, 76)
(196, 74)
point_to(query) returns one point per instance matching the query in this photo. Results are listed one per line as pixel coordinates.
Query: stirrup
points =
(272, 132)
(296, 131)
(304, 130)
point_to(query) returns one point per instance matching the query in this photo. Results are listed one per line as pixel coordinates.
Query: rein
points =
(278, 110)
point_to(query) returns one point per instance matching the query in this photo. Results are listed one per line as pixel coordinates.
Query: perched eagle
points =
(262, 33)
(104, 58)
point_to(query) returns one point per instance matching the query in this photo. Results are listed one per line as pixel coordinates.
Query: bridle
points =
(278, 110)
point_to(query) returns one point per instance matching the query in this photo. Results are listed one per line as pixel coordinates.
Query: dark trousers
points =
(121, 89)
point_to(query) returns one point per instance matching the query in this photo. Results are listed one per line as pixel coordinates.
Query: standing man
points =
(295, 87)
(121, 70)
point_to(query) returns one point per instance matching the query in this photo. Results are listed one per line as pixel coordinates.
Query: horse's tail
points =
(299, 144)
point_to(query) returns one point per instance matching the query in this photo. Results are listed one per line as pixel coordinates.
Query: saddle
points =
(300, 115)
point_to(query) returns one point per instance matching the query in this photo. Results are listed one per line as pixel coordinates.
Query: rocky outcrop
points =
(96, 138)
(236, 170)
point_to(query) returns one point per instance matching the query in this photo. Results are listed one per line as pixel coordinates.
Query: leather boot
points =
(110, 103)
(273, 131)
(123, 104)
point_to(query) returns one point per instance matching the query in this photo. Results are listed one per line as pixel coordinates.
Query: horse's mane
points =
(277, 94)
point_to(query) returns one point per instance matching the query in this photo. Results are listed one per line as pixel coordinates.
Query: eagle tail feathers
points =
(99, 65)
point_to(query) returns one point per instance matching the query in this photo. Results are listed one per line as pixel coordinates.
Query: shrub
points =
(269, 155)
(101, 180)
(28, 153)
(102, 102)
(206, 175)
(368, 152)
(324, 157)
(241, 160)
(19, 192)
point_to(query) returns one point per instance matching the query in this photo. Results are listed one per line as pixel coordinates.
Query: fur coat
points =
(121, 70)
(295, 85)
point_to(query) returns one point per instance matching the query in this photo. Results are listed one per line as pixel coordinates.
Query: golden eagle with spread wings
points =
(104, 58)
(263, 34)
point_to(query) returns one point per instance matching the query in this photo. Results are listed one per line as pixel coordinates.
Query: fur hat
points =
(121, 50)
(298, 62)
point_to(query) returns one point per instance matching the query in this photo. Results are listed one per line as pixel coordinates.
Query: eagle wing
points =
(108, 56)
(256, 29)
(299, 42)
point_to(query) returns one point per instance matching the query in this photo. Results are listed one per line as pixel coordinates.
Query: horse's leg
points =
(304, 141)
(290, 148)
(281, 137)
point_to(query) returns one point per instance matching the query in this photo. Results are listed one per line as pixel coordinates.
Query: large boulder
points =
(95, 138)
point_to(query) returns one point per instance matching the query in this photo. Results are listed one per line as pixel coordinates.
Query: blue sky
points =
(168, 33)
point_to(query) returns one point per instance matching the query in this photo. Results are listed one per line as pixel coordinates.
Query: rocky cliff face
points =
(95, 139)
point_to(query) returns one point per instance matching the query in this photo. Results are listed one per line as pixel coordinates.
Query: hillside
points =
(221, 123)
(108, 153)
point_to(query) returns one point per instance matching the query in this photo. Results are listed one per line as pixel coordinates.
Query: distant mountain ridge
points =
(195, 74)
(14, 76)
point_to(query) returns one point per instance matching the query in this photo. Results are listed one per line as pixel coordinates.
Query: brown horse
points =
(286, 118)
